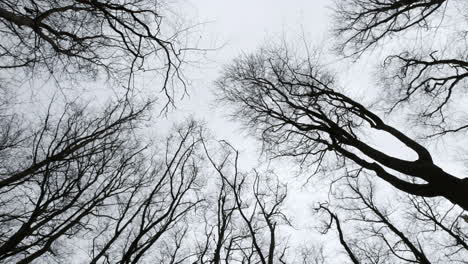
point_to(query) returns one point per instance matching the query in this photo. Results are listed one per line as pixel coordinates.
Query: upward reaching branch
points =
(297, 110)
(361, 24)
(90, 37)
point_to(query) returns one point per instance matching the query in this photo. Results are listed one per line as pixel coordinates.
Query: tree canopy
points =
(108, 181)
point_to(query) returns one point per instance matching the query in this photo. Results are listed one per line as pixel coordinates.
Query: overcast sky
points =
(227, 29)
(235, 27)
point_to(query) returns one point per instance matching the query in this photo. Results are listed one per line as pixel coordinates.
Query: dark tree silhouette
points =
(430, 79)
(297, 109)
(256, 203)
(361, 24)
(89, 37)
(441, 221)
(372, 232)
(245, 219)
(335, 220)
(88, 184)
(87, 177)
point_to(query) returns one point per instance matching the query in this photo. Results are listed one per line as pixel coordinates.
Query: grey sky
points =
(235, 27)
(243, 26)
(227, 29)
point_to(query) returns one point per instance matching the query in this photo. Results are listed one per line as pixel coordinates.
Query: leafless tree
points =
(249, 217)
(84, 183)
(372, 232)
(295, 106)
(335, 220)
(297, 109)
(361, 24)
(430, 80)
(218, 227)
(82, 177)
(313, 254)
(141, 223)
(89, 37)
(441, 223)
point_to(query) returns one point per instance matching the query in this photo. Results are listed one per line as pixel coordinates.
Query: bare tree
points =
(218, 227)
(172, 192)
(296, 108)
(361, 24)
(90, 37)
(313, 254)
(249, 215)
(373, 232)
(82, 182)
(334, 219)
(430, 80)
(441, 223)
(90, 179)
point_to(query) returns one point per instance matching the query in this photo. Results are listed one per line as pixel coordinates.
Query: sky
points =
(227, 29)
(231, 28)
